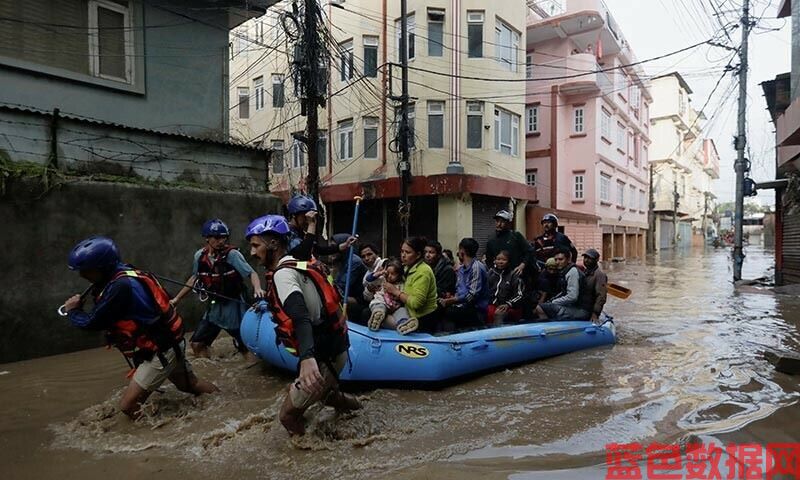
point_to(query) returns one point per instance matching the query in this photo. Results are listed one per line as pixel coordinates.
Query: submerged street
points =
(688, 367)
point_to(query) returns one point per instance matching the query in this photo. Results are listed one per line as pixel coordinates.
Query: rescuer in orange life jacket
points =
(310, 322)
(220, 269)
(135, 312)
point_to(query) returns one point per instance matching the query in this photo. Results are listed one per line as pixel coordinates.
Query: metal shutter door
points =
(483, 210)
(791, 247)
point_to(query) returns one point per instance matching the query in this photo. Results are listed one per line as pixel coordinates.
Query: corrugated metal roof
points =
(94, 121)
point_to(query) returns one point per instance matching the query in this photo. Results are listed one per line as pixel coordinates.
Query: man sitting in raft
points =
(468, 307)
(574, 302)
(139, 320)
(309, 321)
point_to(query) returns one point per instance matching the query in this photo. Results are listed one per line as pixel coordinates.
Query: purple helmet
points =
(95, 252)
(301, 204)
(267, 224)
(215, 228)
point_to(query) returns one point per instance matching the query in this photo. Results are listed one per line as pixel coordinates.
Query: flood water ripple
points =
(689, 364)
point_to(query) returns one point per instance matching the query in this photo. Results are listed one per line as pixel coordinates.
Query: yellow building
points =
(467, 85)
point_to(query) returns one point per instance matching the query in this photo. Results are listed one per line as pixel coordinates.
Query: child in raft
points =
(385, 310)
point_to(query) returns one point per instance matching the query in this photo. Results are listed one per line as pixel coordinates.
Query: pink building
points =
(587, 129)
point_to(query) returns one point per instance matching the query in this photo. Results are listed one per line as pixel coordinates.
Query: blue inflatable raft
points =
(386, 356)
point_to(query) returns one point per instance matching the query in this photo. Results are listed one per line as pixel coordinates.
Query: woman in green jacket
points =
(419, 292)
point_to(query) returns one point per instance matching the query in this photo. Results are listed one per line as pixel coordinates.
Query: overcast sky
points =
(656, 27)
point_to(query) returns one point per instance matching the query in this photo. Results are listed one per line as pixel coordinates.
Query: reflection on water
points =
(688, 365)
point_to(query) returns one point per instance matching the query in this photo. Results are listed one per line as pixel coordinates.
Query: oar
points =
(618, 290)
(350, 254)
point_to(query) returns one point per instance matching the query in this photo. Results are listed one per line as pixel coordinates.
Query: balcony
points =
(576, 65)
(580, 23)
(788, 137)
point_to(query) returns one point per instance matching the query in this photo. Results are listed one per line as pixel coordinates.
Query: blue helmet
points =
(215, 228)
(267, 224)
(95, 252)
(301, 204)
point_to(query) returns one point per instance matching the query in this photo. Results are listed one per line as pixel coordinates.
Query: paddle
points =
(618, 290)
(350, 254)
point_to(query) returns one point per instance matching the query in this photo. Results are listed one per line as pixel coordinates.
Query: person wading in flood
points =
(309, 321)
(220, 269)
(139, 320)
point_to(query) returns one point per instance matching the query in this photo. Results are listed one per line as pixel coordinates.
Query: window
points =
(346, 61)
(622, 136)
(605, 188)
(370, 56)
(322, 149)
(577, 192)
(506, 43)
(636, 98)
(642, 200)
(532, 119)
(475, 34)
(528, 66)
(620, 193)
(370, 137)
(110, 41)
(258, 87)
(506, 132)
(411, 37)
(298, 153)
(681, 102)
(637, 146)
(632, 199)
(530, 177)
(277, 91)
(244, 102)
(277, 156)
(435, 32)
(435, 124)
(474, 124)
(346, 140)
(605, 124)
(578, 120)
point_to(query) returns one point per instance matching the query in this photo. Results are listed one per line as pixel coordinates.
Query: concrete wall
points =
(157, 229)
(179, 86)
(92, 148)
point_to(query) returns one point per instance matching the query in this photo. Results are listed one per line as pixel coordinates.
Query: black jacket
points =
(445, 278)
(513, 241)
(545, 246)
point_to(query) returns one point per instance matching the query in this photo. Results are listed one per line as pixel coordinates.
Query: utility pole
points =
(740, 143)
(311, 50)
(705, 218)
(675, 203)
(651, 218)
(404, 209)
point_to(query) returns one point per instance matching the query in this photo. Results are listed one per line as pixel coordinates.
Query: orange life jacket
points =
(140, 341)
(219, 276)
(333, 318)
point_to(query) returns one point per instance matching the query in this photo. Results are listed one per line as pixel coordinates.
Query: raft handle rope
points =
(62, 310)
(202, 292)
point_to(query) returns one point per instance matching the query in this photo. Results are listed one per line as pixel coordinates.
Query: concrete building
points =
(124, 88)
(783, 102)
(683, 166)
(587, 128)
(467, 80)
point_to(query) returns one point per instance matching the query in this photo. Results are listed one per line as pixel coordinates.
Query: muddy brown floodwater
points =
(688, 366)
